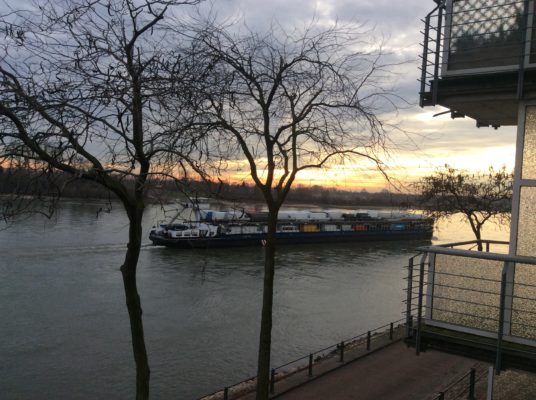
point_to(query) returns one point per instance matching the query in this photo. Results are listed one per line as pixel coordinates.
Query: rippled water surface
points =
(65, 332)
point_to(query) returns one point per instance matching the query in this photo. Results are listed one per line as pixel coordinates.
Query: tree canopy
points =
(289, 102)
(85, 89)
(478, 196)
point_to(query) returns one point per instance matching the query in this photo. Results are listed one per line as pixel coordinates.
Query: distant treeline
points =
(318, 195)
(27, 182)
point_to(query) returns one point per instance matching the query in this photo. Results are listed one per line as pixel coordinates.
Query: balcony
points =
(484, 36)
(479, 59)
(477, 303)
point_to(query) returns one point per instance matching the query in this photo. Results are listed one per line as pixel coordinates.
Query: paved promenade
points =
(393, 373)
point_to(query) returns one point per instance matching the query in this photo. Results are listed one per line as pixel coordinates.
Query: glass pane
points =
(524, 302)
(528, 170)
(485, 33)
(466, 291)
(526, 228)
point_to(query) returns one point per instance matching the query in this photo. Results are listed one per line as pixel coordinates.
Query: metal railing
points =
(465, 387)
(487, 294)
(475, 35)
(431, 55)
(317, 363)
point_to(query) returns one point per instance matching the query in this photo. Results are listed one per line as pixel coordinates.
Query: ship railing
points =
(485, 292)
(295, 372)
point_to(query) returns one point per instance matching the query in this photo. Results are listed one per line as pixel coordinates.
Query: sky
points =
(430, 142)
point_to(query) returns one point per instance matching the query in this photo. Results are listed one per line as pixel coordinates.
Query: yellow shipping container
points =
(310, 228)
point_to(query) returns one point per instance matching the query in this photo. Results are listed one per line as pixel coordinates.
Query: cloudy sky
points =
(436, 141)
(429, 142)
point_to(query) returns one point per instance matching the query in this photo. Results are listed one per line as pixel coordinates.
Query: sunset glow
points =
(440, 141)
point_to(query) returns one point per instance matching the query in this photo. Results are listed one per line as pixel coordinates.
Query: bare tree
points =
(479, 196)
(85, 89)
(288, 103)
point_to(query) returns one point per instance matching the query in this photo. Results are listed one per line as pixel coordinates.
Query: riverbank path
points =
(393, 373)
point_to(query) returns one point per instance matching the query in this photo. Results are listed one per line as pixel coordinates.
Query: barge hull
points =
(287, 238)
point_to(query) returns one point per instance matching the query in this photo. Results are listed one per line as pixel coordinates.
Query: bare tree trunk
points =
(128, 270)
(475, 227)
(479, 239)
(265, 340)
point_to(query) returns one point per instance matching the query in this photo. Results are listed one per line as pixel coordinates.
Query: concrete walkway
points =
(393, 373)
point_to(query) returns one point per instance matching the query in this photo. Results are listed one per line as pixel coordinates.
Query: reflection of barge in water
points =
(234, 229)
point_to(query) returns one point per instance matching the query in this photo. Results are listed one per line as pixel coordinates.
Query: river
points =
(65, 332)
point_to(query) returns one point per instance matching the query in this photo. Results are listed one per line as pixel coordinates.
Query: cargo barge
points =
(237, 229)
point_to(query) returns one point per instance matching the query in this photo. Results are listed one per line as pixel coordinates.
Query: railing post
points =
(419, 306)
(498, 356)
(471, 395)
(272, 381)
(341, 346)
(487, 247)
(424, 58)
(508, 297)
(429, 307)
(368, 341)
(391, 328)
(226, 393)
(409, 317)
(523, 52)
(489, 390)
(310, 370)
(437, 51)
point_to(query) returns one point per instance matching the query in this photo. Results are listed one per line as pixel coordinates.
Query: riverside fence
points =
(300, 370)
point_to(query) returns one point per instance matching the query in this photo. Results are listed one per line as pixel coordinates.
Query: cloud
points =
(426, 141)
(390, 17)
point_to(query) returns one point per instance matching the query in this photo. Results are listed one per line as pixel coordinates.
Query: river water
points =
(65, 332)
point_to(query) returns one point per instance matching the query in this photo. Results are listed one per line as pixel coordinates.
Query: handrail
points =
(490, 241)
(478, 254)
(480, 303)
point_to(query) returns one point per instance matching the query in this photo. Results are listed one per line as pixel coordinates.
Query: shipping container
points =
(330, 228)
(310, 228)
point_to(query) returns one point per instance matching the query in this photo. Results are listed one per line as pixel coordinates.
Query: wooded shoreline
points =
(22, 182)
